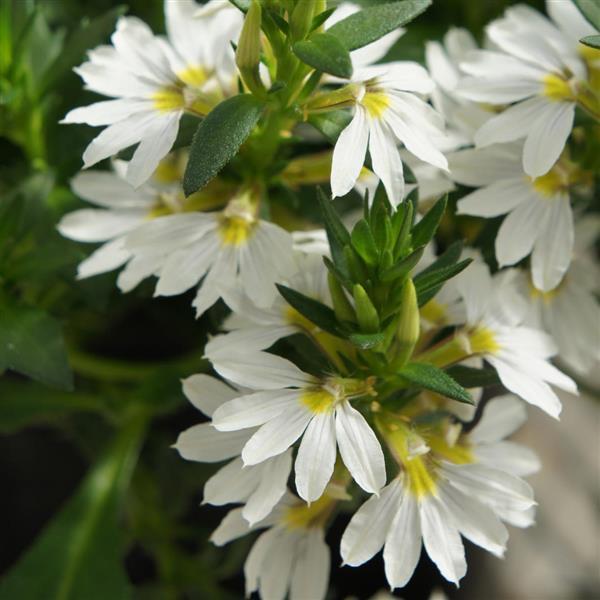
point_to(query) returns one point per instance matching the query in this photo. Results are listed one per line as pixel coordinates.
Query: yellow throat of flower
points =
(376, 103)
(307, 516)
(557, 88)
(318, 400)
(483, 341)
(238, 221)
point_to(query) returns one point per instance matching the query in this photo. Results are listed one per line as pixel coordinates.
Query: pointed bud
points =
(301, 19)
(368, 319)
(247, 55)
(341, 305)
(407, 333)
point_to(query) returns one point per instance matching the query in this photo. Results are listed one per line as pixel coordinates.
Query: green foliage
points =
(590, 9)
(331, 124)
(326, 53)
(469, 377)
(373, 22)
(431, 378)
(218, 139)
(593, 41)
(79, 553)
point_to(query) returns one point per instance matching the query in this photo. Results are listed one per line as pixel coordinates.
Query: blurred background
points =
(90, 483)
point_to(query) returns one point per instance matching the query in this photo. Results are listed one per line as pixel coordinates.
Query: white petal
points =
(359, 448)
(519, 231)
(477, 167)
(497, 91)
(442, 540)
(136, 270)
(274, 474)
(255, 562)
(510, 457)
(106, 112)
(276, 436)
(233, 526)
(501, 416)
(98, 225)
(231, 483)
(207, 393)
(495, 199)
(532, 390)
(349, 154)
(511, 124)
(474, 520)
(257, 337)
(253, 409)
(547, 137)
(316, 457)
(110, 191)
(259, 370)
(365, 534)
(310, 578)
(553, 249)
(403, 543)
(109, 256)
(385, 157)
(205, 444)
(475, 287)
(275, 580)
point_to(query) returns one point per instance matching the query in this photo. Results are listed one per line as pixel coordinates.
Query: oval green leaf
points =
(326, 53)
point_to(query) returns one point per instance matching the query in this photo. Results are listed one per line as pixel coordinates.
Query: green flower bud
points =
(341, 305)
(368, 319)
(407, 333)
(247, 55)
(302, 18)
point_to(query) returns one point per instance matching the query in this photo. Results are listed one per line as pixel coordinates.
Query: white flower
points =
(225, 252)
(463, 117)
(287, 405)
(291, 558)
(154, 82)
(257, 327)
(570, 312)
(388, 112)
(260, 487)
(438, 496)
(539, 221)
(494, 331)
(538, 68)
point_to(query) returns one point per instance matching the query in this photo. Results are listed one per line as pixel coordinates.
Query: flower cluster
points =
(350, 367)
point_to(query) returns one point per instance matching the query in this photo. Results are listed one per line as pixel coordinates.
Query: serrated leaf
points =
(590, 9)
(593, 41)
(431, 378)
(78, 555)
(31, 343)
(331, 124)
(316, 312)
(429, 284)
(325, 53)
(402, 268)
(470, 377)
(372, 23)
(364, 242)
(218, 139)
(425, 229)
(366, 341)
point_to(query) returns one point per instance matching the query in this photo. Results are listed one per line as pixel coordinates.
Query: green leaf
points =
(590, 9)
(87, 35)
(23, 403)
(321, 18)
(431, 378)
(31, 343)
(449, 257)
(218, 139)
(337, 234)
(79, 554)
(364, 242)
(402, 268)
(316, 312)
(243, 5)
(429, 284)
(325, 53)
(424, 230)
(593, 41)
(470, 377)
(331, 124)
(372, 23)
(366, 341)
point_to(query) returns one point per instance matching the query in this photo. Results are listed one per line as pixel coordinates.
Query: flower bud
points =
(407, 333)
(341, 305)
(247, 55)
(368, 319)
(301, 19)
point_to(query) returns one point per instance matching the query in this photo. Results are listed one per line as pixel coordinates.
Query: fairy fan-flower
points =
(154, 82)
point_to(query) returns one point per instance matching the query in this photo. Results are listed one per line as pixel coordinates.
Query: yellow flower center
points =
(458, 454)
(235, 231)
(483, 341)
(194, 76)
(376, 103)
(318, 400)
(305, 516)
(552, 183)
(168, 99)
(557, 88)
(421, 480)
